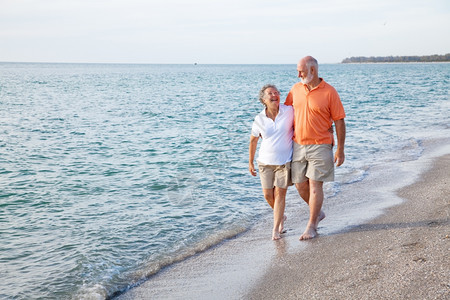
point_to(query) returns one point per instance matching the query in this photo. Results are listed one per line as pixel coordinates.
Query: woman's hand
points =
(251, 168)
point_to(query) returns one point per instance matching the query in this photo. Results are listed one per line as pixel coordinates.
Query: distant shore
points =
(397, 59)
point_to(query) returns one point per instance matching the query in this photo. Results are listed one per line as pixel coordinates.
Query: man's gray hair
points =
(263, 90)
(312, 62)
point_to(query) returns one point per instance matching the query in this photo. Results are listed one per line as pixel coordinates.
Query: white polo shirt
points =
(276, 146)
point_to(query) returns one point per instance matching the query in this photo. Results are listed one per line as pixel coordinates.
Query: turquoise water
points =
(110, 172)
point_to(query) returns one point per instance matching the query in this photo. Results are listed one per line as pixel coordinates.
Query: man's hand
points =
(339, 157)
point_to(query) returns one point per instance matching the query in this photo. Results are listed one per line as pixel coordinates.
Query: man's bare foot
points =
(276, 235)
(320, 218)
(310, 232)
(281, 228)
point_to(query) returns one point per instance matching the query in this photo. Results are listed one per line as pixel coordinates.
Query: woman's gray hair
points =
(262, 91)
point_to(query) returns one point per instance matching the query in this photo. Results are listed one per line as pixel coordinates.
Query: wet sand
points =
(402, 254)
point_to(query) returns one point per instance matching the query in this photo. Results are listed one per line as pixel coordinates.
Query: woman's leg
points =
(269, 196)
(278, 212)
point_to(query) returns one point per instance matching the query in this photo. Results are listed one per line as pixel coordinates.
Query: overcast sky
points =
(223, 31)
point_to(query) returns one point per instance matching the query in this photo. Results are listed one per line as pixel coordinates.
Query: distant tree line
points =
(387, 59)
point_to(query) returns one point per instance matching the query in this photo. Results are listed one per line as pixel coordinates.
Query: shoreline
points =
(396, 255)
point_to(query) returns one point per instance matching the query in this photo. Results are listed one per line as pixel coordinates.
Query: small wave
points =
(6, 195)
(99, 291)
(355, 175)
(412, 149)
(96, 292)
(149, 114)
(158, 187)
(77, 133)
(331, 189)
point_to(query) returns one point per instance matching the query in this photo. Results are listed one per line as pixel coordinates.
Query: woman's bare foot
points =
(281, 228)
(310, 232)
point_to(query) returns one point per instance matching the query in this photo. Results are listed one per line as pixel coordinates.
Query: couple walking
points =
(297, 144)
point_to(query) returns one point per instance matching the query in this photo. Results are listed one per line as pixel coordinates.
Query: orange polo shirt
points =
(314, 112)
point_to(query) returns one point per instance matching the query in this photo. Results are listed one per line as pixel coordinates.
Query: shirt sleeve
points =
(337, 109)
(289, 99)
(256, 127)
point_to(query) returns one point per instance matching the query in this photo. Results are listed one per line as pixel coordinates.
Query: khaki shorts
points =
(312, 162)
(273, 175)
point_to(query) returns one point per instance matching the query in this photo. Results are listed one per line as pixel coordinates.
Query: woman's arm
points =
(251, 154)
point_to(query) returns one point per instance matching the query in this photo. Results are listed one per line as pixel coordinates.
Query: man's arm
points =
(339, 156)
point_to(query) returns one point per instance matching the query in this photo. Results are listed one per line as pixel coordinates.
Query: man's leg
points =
(315, 209)
(303, 190)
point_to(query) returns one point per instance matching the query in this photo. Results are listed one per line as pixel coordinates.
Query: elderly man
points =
(316, 106)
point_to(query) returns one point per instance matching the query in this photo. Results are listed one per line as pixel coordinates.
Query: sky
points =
(219, 32)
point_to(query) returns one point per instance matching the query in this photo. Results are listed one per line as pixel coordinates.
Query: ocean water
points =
(109, 172)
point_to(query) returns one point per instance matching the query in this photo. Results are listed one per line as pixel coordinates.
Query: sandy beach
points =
(402, 254)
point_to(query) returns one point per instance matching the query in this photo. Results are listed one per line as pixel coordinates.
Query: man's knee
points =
(302, 186)
(316, 187)
(315, 184)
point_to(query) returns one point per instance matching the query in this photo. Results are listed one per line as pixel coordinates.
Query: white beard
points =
(308, 78)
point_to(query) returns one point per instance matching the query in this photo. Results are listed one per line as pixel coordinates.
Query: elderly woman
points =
(274, 125)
